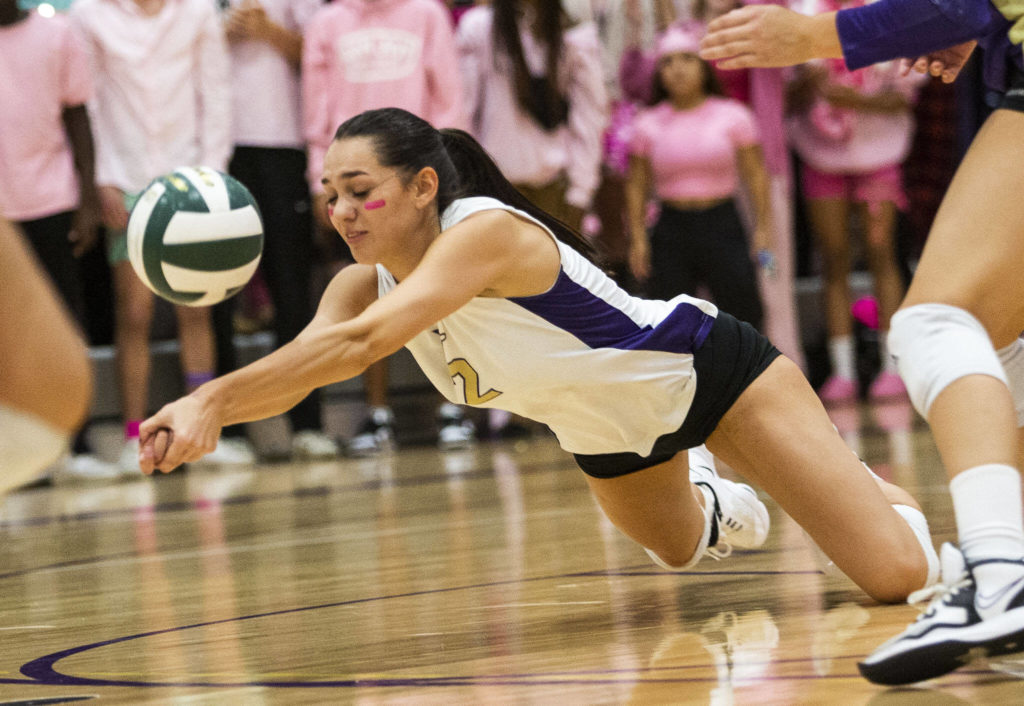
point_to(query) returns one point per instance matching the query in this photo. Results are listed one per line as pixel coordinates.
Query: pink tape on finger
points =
(374, 205)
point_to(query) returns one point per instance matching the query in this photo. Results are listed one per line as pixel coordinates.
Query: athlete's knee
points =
(903, 575)
(937, 344)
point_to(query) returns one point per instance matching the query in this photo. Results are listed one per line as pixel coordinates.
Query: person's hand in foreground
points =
(769, 35)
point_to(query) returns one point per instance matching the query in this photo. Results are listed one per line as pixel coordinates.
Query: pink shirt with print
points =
(360, 55)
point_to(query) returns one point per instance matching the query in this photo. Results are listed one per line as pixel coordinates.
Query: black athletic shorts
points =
(1013, 99)
(730, 358)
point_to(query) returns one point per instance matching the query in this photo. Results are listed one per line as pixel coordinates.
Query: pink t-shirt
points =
(693, 152)
(43, 69)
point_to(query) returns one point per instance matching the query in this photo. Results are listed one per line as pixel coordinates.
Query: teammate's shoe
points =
(375, 436)
(959, 624)
(742, 519)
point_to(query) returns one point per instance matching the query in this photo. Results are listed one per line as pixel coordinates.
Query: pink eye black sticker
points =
(374, 205)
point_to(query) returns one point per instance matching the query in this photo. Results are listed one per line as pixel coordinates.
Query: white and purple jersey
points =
(606, 371)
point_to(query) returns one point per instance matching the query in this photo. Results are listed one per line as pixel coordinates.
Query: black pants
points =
(277, 179)
(707, 247)
(49, 239)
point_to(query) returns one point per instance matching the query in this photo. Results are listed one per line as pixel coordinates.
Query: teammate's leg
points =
(778, 435)
(963, 304)
(46, 383)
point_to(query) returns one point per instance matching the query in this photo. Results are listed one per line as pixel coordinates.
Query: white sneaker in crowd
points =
(86, 468)
(311, 444)
(229, 452)
(456, 431)
(375, 436)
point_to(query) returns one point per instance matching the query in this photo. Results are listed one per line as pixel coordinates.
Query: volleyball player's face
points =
(366, 202)
(682, 75)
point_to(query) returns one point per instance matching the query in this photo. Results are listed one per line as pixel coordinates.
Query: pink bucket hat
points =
(676, 40)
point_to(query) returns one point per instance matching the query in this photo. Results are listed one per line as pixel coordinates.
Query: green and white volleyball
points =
(195, 236)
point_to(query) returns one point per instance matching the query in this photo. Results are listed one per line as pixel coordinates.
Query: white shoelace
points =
(938, 591)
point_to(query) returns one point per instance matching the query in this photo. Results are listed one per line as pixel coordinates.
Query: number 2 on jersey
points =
(460, 368)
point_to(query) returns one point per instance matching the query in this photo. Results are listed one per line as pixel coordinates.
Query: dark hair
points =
(409, 143)
(540, 96)
(710, 83)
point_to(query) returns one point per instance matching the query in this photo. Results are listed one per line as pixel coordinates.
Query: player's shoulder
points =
(487, 222)
(461, 209)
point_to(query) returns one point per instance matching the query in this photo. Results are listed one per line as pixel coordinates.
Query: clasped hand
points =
(183, 431)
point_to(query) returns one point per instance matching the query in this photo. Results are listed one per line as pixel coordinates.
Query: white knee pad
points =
(936, 344)
(1012, 358)
(27, 446)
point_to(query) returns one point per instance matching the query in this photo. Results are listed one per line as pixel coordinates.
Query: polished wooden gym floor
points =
(480, 577)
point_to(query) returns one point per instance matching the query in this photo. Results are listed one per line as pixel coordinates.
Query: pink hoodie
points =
(524, 151)
(364, 54)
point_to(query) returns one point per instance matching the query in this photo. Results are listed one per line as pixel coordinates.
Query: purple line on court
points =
(65, 565)
(42, 669)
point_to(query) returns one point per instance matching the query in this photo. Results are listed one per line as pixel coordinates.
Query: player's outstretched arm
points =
(488, 253)
(188, 428)
(765, 35)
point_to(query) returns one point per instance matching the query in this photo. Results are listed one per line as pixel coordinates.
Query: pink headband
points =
(676, 40)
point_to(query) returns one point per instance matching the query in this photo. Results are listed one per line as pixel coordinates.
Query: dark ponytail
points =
(408, 143)
(480, 176)
(540, 96)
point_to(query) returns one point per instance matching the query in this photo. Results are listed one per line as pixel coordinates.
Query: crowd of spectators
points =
(687, 178)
